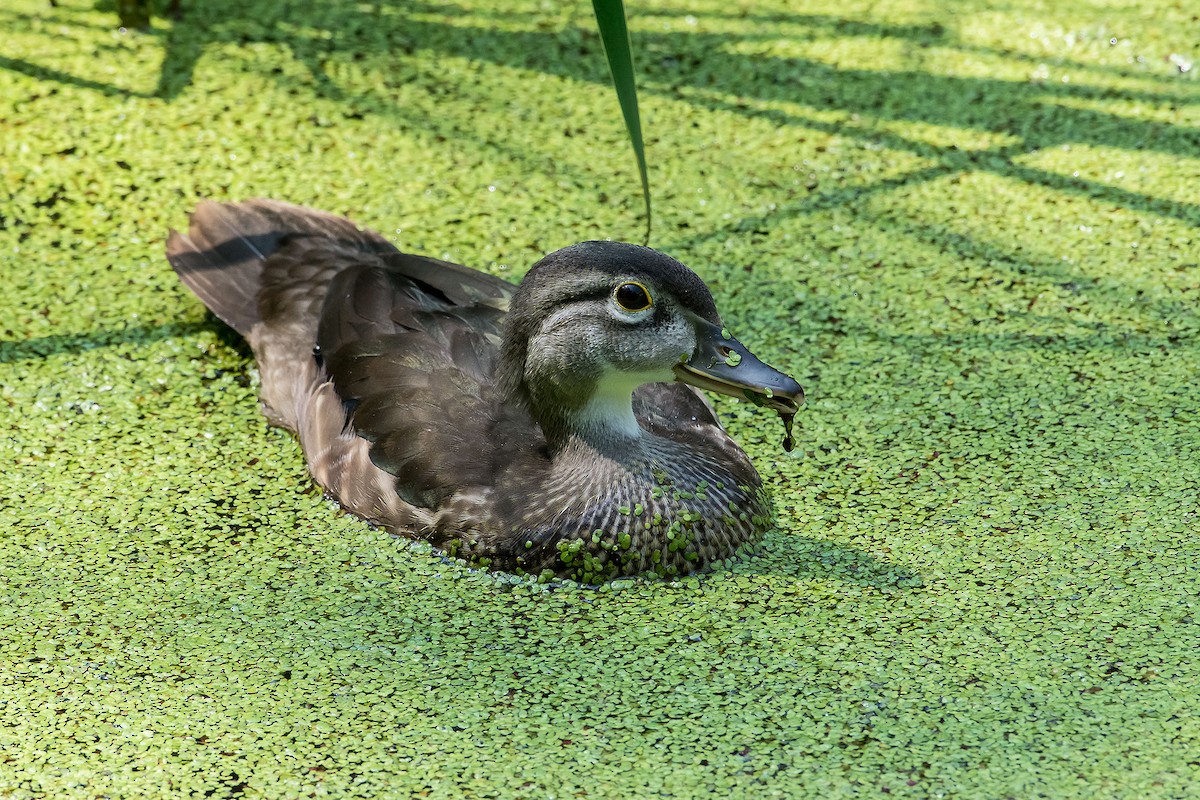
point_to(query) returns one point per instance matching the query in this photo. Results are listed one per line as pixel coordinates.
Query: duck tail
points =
(222, 255)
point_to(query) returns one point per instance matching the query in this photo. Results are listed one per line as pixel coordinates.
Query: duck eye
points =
(632, 296)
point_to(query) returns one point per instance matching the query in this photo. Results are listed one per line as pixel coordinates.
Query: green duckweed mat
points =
(971, 230)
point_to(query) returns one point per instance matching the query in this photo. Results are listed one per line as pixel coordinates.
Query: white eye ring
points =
(632, 297)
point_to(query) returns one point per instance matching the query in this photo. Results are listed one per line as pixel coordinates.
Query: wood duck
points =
(543, 429)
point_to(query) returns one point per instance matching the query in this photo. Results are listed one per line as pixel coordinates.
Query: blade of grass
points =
(610, 18)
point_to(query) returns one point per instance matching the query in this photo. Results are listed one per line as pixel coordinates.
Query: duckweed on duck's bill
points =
(542, 429)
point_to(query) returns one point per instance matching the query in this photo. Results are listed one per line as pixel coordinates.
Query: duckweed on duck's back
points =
(513, 426)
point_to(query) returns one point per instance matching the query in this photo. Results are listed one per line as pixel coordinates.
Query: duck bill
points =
(723, 364)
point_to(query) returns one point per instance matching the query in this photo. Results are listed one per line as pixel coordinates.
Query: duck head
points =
(592, 322)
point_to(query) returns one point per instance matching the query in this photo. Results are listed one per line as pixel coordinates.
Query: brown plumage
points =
(443, 403)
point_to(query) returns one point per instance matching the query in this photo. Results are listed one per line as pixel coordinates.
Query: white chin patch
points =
(610, 409)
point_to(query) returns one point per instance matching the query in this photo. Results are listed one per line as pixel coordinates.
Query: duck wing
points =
(374, 357)
(411, 345)
(223, 256)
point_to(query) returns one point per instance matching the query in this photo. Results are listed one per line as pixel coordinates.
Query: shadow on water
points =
(15, 350)
(700, 67)
(47, 74)
(806, 559)
(707, 69)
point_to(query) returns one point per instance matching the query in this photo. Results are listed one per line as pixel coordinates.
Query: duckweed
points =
(970, 232)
